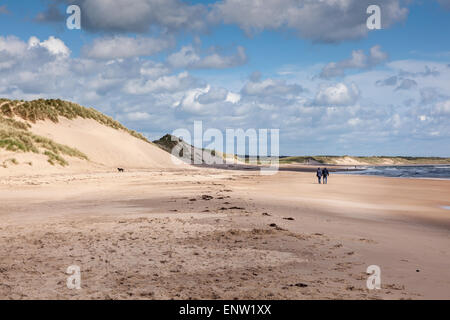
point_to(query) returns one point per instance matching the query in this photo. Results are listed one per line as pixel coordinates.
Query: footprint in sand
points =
(274, 225)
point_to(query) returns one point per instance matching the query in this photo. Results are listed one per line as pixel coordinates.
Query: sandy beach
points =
(174, 151)
(215, 234)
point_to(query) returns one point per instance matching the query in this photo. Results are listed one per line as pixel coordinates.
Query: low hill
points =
(52, 135)
(192, 154)
(370, 161)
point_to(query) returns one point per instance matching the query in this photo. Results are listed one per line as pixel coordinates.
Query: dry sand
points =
(201, 234)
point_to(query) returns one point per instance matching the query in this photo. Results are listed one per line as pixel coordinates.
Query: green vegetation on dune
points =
(20, 140)
(16, 137)
(374, 160)
(16, 116)
(299, 159)
(53, 109)
(168, 142)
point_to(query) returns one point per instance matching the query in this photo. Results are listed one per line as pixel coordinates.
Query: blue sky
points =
(310, 68)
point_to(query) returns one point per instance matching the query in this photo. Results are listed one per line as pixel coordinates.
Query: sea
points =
(419, 171)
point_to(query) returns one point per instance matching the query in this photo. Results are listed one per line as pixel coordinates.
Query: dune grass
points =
(53, 109)
(19, 140)
(16, 137)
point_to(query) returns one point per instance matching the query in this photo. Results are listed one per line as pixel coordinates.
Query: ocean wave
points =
(436, 172)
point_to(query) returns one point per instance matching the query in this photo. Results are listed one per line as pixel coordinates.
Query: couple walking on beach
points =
(322, 173)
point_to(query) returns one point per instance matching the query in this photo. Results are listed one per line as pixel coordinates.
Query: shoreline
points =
(336, 169)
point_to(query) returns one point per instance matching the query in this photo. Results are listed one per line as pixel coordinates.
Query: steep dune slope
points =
(45, 136)
(104, 145)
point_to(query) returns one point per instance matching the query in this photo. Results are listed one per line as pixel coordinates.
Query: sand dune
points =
(50, 136)
(104, 145)
(106, 148)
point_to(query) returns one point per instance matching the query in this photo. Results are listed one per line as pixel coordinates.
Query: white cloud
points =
(359, 60)
(233, 97)
(52, 44)
(323, 21)
(189, 58)
(407, 84)
(337, 95)
(190, 101)
(442, 108)
(213, 95)
(148, 96)
(320, 21)
(390, 81)
(172, 83)
(132, 15)
(270, 87)
(12, 45)
(208, 101)
(138, 116)
(152, 70)
(125, 47)
(10, 48)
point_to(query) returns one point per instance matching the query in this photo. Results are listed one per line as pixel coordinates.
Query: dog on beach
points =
(121, 169)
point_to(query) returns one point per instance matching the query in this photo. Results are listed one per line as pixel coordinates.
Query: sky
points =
(310, 68)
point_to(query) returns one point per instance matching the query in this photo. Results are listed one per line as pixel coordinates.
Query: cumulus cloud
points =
(320, 21)
(431, 95)
(153, 70)
(126, 16)
(125, 47)
(358, 60)
(213, 95)
(150, 97)
(138, 116)
(233, 97)
(270, 87)
(14, 51)
(189, 58)
(42, 67)
(442, 108)
(207, 100)
(406, 84)
(10, 48)
(171, 83)
(427, 72)
(406, 72)
(390, 81)
(52, 44)
(339, 94)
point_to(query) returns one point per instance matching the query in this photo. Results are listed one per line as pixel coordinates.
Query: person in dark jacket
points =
(319, 175)
(325, 175)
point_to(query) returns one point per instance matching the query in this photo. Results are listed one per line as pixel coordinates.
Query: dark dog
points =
(120, 169)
